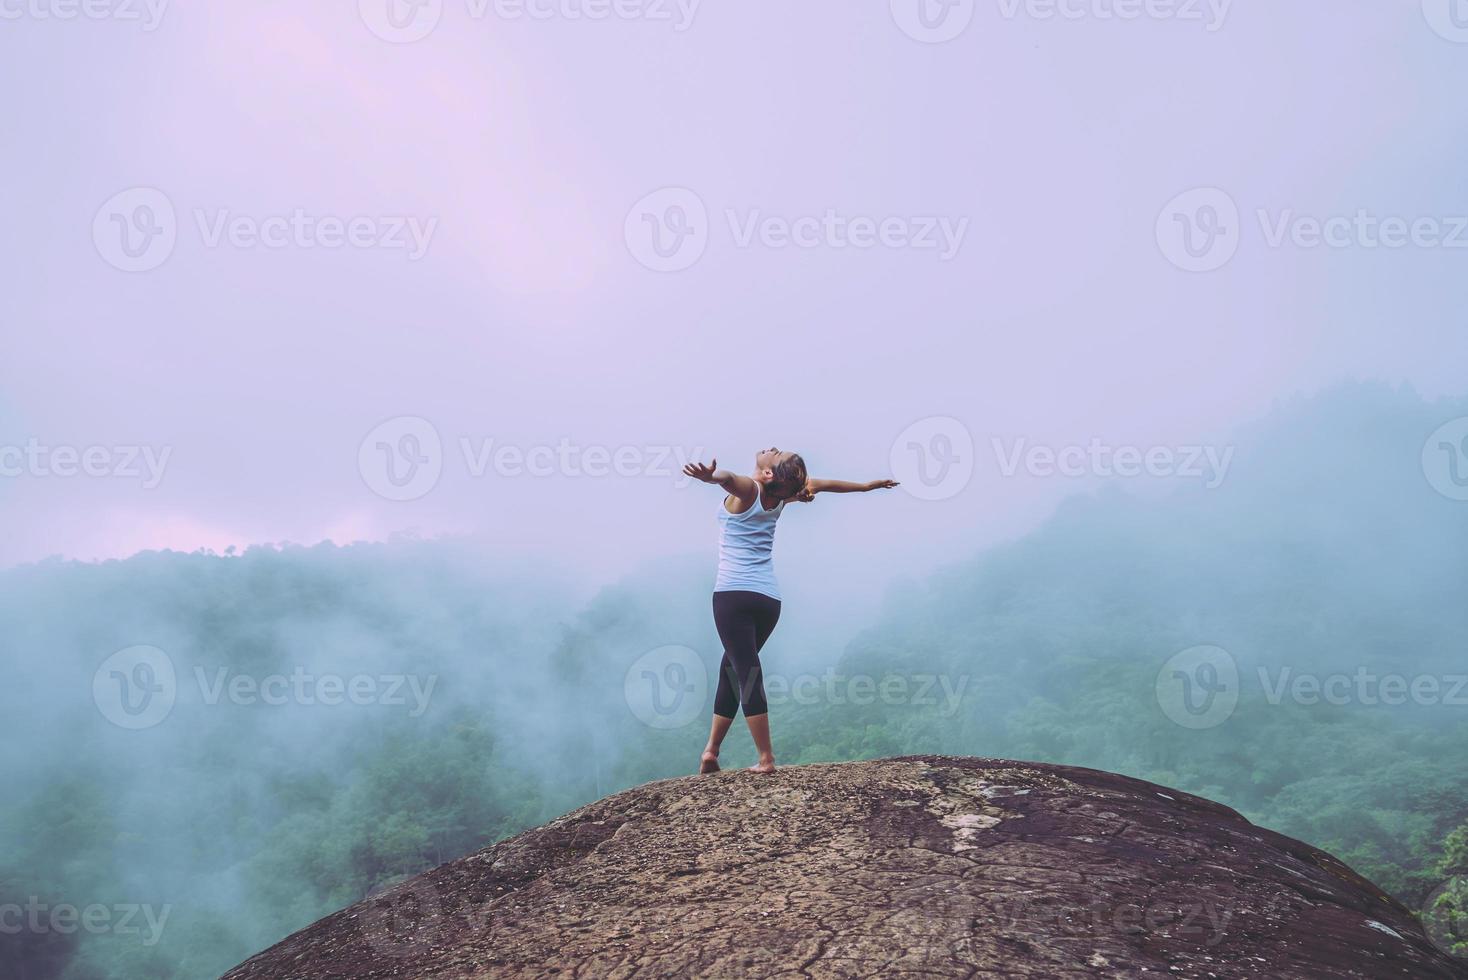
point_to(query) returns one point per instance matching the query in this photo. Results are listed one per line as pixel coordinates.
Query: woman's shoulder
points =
(734, 506)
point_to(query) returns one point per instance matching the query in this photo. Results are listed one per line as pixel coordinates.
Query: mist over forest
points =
(339, 717)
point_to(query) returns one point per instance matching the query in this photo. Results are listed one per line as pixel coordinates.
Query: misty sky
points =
(981, 230)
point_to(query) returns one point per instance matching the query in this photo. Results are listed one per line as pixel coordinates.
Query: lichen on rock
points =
(934, 866)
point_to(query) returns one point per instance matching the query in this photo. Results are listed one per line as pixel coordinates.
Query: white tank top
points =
(746, 550)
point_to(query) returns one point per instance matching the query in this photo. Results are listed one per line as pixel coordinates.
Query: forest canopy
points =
(340, 717)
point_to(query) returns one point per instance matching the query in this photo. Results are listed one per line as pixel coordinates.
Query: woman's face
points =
(766, 460)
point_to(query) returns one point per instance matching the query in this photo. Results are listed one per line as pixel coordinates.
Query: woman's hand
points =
(700, 472)
(883, 484)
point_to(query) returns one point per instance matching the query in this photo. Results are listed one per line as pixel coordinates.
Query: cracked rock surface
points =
(926, 865)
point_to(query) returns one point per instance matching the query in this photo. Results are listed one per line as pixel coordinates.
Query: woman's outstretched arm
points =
(734, 484)
(813, 487)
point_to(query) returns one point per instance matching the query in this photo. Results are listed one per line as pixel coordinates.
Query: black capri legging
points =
(745, 621)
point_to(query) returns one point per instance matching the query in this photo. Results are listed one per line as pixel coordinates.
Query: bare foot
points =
(764, 766)
(709, 763)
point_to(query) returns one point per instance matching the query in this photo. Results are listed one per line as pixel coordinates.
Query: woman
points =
(746, 596)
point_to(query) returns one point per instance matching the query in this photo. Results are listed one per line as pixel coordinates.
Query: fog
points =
(531, 320)
(351, 353)
(323, 720)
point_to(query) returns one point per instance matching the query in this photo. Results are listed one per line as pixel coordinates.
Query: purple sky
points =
(1056, 312)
